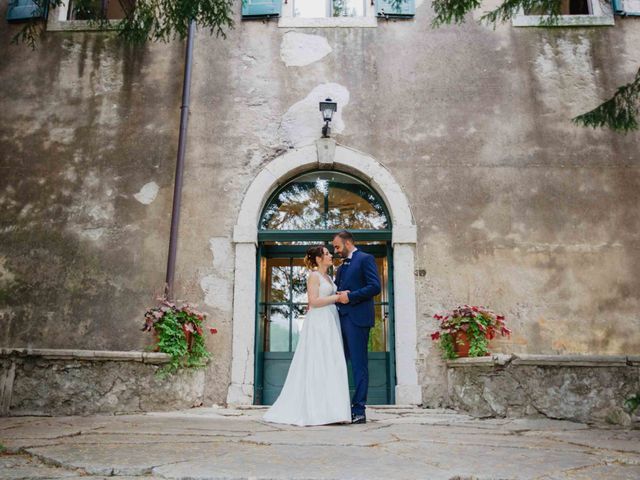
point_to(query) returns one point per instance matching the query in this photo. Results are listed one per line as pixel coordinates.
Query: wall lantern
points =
(327, 108)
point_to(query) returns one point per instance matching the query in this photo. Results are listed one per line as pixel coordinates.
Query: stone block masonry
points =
(83, 382)
(583, 388)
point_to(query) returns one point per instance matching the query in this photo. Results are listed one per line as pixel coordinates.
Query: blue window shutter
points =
(626, 7)
(395, 8)
(261, 8)
(20, 10)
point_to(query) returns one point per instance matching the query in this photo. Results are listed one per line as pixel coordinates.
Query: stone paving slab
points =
(236, 444)
(606, 472)
(19, 467)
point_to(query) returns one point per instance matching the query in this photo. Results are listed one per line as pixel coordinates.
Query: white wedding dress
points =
(316, 391)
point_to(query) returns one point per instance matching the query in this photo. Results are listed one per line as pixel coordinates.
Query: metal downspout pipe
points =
(182, 145)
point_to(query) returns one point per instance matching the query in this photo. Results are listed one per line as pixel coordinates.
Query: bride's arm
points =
(313, 293)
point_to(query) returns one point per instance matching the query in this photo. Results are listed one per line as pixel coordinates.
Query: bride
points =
(316, 391)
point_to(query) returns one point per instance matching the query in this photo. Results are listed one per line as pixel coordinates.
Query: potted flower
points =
(465, 331)
(179, 332)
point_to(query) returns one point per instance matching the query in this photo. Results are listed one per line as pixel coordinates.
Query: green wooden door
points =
(281, 301)
(309, 210)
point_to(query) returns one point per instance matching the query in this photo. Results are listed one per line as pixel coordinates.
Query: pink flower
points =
(435, 336)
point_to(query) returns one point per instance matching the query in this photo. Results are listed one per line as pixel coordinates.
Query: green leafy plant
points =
(180, 333)
(154, 20)
(633, 403)
(478, 323)
(620, 112)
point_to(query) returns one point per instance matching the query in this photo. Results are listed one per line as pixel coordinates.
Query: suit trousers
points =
(356, 343)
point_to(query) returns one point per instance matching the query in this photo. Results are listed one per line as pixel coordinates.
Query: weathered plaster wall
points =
(87, 142)
(516, 208)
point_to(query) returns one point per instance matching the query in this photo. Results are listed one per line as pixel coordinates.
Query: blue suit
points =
(360, 277)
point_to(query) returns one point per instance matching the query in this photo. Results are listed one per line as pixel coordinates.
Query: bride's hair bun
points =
(312, 253)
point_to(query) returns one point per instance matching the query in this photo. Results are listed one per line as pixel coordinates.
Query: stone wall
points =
(82, 382)
(572, 387)
(515, 207)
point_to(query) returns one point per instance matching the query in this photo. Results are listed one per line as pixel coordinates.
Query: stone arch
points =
(325, 154)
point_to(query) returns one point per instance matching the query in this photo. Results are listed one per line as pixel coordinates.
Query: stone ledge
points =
(488, 361)
(82, 382)
(90, 355)
(582, 388)
(547, 360)
(572, 360)
(634, 360)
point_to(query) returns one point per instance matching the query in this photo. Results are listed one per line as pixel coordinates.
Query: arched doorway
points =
(324, 154)
(310, 210)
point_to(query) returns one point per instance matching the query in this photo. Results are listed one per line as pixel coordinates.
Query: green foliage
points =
(620, 113)
(452, 11)
(478, 342)
(455, 11)
(180, 332)
(633, 403)
(478, 323)
(2, 448)
(508, 9)
(155, 20)
(33, 29)
(163, 20)
(447, 346)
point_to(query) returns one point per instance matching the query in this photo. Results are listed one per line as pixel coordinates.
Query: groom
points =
(358, 282)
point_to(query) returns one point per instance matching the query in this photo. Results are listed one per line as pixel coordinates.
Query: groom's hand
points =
(343, 297)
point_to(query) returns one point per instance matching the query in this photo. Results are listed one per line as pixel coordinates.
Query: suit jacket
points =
(361, 278)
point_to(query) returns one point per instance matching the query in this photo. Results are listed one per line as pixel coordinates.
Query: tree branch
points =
(155, 20)
(619, 113)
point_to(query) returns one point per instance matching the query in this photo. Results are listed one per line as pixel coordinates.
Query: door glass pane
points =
(348, 8)
(300, 206)
(299, 283)
(278, 329)
(382, 265)
(299, 312)
(378, 334)
(279, 278)
(352, 206)
(325, 200)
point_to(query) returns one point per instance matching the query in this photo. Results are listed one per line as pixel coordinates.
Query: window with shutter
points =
(328, 14)
(72, 15)
(572, 13)
(626, 7)
(100, 9)
(261, 8)
(20, 10)
(395, 8)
